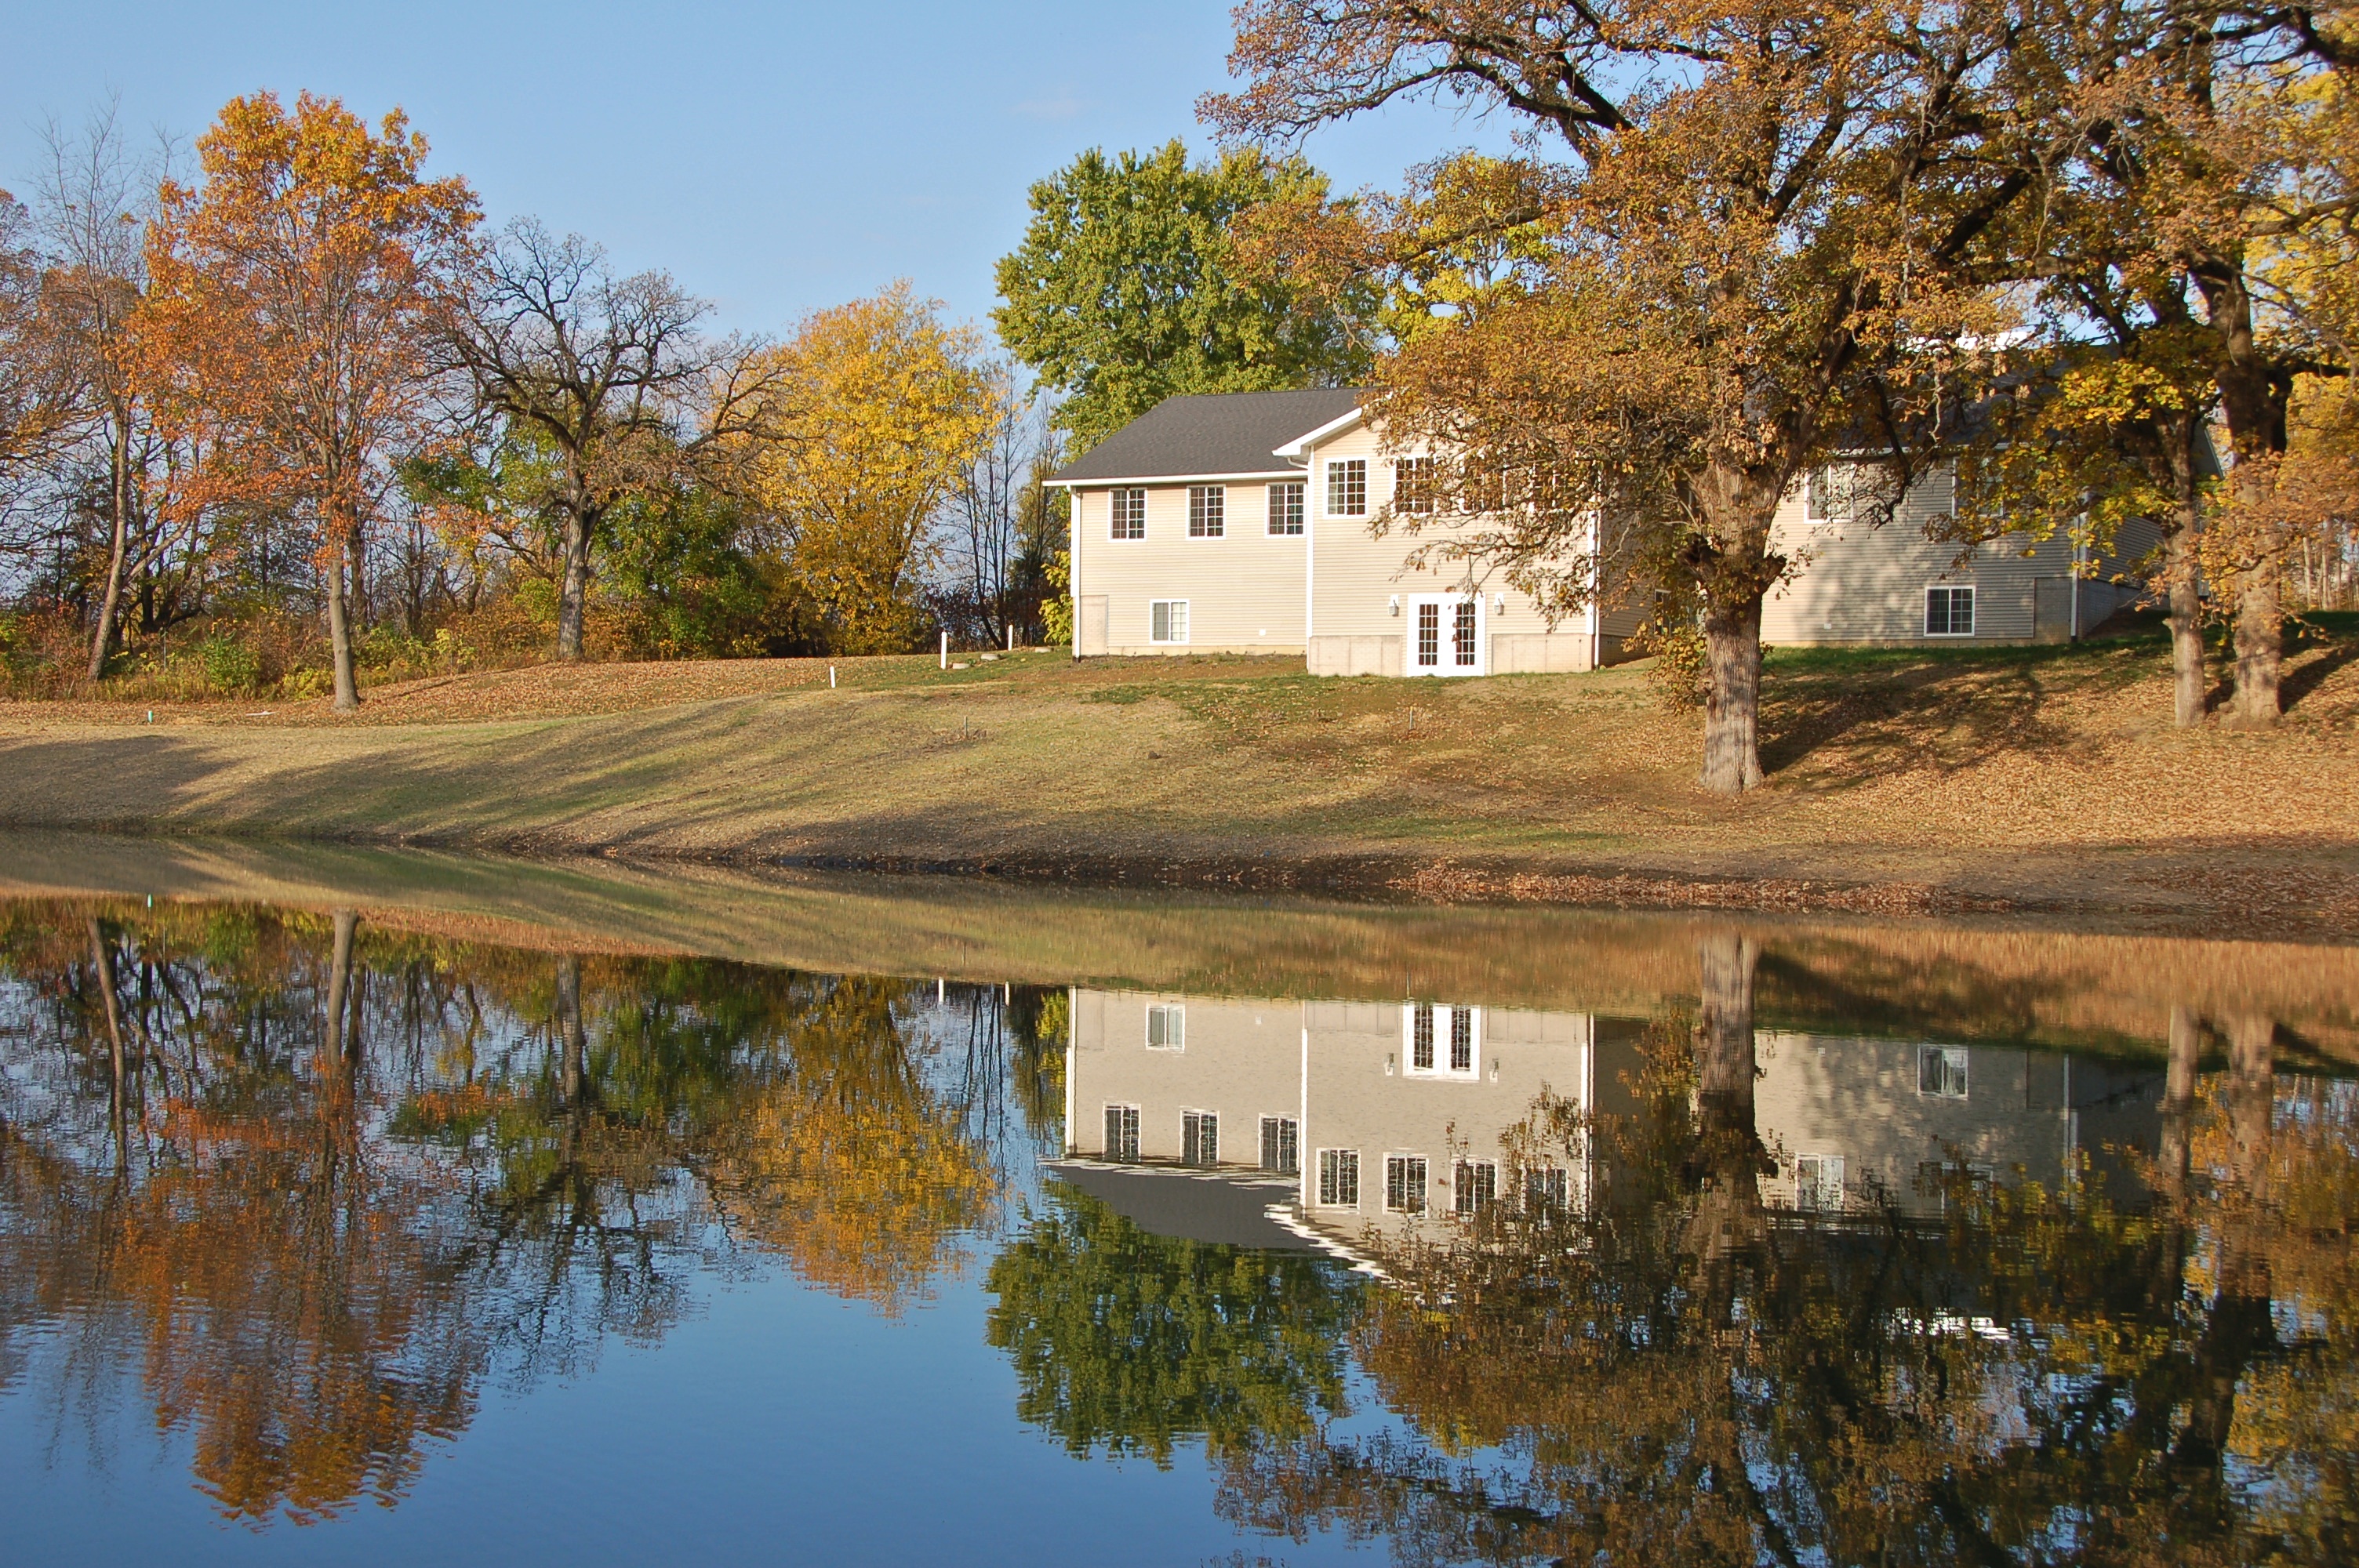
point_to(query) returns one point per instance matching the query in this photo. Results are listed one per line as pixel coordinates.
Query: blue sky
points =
(776, 158)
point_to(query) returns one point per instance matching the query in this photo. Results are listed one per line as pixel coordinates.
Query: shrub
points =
(231, 665)
(1677, 643)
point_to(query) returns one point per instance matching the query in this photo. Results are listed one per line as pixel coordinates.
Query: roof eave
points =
(1301, 446)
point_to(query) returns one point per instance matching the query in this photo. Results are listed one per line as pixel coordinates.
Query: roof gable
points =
(1228, 433)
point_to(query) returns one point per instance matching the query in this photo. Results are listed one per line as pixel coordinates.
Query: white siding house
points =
(1241, 523)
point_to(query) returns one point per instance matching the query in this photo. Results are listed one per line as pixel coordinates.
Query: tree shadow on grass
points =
(1945, 714)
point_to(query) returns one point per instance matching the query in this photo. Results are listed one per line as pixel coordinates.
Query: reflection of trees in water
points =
(1132, 1341)
(2044, 1376)
(317, 1180)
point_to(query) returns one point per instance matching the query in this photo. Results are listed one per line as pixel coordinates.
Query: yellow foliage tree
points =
(884, 402)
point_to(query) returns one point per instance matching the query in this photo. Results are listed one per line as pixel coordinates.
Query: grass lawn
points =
(2044, 778)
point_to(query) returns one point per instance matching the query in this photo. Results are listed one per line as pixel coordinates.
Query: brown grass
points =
(1900, 782)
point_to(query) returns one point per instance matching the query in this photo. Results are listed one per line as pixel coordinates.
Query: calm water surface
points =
(344, 1237)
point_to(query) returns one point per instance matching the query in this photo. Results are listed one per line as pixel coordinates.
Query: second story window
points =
(1200, 1137)
(1413, 485)
(1405, 1184)
(1208, 511)
(1129, 515)
(1285, 508)
(1281, 1145)
(1339, 1178)
(1347, 488)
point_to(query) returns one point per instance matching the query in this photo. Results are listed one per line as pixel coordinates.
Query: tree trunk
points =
(340, 980)
(2172, 1159)
(1732, 703)
(569, 1024)
(2260, 622)
(574, 588)
(1728, 1220)
(340, 631)
(2185, 617)
(110, 607)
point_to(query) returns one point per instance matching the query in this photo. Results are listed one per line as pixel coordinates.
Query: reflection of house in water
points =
(1372, 1114)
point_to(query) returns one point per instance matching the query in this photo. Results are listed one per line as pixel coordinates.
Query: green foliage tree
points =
(1123, 294)
(1131, 1342)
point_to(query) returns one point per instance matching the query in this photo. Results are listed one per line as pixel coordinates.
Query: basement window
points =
(1949, 612)
(1166, 621)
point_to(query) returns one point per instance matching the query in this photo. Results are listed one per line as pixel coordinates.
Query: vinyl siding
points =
(1355, 577)
(1854, 583)
(1243, 591)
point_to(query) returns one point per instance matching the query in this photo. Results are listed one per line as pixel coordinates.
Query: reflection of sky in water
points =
(710, 1360)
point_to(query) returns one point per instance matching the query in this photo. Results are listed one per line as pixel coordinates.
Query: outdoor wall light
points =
(1394, 604)
(1388, 1064)
(1498, 602)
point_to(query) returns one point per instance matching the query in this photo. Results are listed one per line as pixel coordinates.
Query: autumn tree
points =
(1122, 293)
(608, 374)
(1754, 247)
(875, 408)
(294, 302)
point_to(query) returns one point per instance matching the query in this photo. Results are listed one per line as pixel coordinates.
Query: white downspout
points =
(1309, 533)
(1074, 571)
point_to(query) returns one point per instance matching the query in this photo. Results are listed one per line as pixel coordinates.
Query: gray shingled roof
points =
(1226, 432)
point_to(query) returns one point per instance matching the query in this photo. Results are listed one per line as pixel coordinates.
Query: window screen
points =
(1166, 621)
(1405, 1184)
(1339, 1177)
(1208, 511)
(1166, 1028)
(1200, 1137)
(1285, 508)
(1949, 612)
(1347, 488)
(1279, 1143)
(1129, 515)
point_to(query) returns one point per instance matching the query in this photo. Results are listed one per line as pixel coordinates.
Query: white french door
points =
(1446, 636)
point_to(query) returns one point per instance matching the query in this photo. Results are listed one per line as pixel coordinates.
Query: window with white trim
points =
(1941, 1071)
(1819, 495)
(1442, 1041)
(1166, 621)
(1281, 1141)
(1414, 483)
(1200, 1137)
(1405, 1184)
(1121, 1132)
(1339, 1178)
(1127, 514)
(1474, 1185)
(1462, 636)
(1545, 1189)
(1286, 507)
(1429, 636)
(1949, 612)
(1167, 1027)
(1208, 511)
(1819, 1183)
(1347, 488)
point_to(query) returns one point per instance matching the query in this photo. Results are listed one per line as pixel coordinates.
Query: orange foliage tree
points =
(292, 300)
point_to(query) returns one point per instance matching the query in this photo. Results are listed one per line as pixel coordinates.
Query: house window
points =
(1941, 1071)
(1166, 1028)
(1285, 508)
(1347, 488)
(1431, 1030)
(1121, 1132)
(1405, 1184)
(1413, 485)
(1281, 1145)
(1544, 1189)
(1949, 612)
(1474, 1185)
(1200, 1137)
(1339, 1178)
(1819, 1183)
(1208, 511)
(1819, 496)
(1166, 621)
(1129, 515)
(1429, 636)
(1462, 634)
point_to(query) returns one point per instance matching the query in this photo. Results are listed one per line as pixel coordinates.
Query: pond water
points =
(386, 1230)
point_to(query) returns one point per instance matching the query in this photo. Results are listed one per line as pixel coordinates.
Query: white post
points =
(946, 650)
(1011, 636)
(830, 677)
